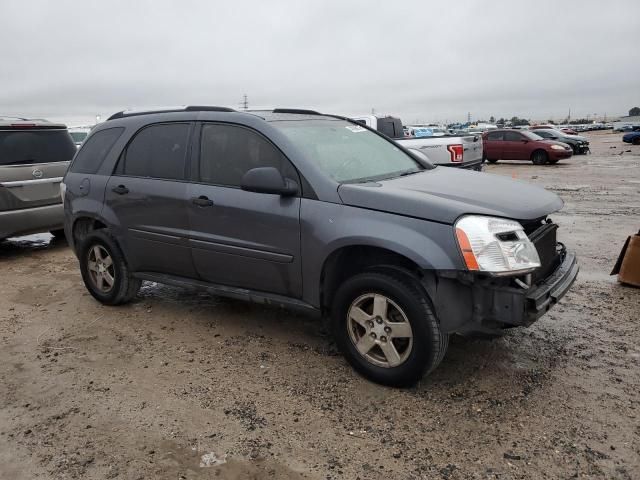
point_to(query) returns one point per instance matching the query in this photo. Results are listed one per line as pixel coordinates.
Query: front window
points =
(349, 153)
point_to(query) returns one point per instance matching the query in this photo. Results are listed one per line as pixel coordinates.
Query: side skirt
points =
(232, 292)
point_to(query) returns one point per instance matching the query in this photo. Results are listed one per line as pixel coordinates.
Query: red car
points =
(522, 145)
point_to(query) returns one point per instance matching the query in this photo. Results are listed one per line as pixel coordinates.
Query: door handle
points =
(120, 190)
(202, 201)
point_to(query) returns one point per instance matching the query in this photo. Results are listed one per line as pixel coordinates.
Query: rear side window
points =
(493, 136)
(227, 152)
(158, 151)
(94, 151)
(23, 147)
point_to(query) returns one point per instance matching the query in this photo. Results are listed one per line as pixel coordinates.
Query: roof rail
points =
(296, 110)
(186, 108)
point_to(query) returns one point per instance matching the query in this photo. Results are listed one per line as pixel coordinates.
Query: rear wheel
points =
(386, 328)
(539, 157)
(636, 141)
(104, 270)
(492, 160)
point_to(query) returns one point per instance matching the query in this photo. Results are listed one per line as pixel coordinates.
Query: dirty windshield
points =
(349, 153)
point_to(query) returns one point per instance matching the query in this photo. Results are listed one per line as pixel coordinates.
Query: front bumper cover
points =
(469, 304)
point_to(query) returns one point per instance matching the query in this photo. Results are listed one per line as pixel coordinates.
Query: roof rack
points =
(296, 110)
(186, 108)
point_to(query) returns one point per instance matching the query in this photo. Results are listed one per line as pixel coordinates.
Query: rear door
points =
(492, 145)
(147, 199)
(33, 160)
(239, 238)
(514, 146)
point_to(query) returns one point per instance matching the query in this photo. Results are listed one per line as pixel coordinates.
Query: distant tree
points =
(551, 122)
(501, 121)
(580, 121)
(518, 122)
(492, 119)
(635, 111)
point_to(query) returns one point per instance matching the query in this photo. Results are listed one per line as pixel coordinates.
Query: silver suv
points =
(318, 213)
(34, 156)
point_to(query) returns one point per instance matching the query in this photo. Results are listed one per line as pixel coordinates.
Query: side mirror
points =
(268, 180)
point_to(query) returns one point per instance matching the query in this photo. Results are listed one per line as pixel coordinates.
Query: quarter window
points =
(227, 152)
(158, 151)
(94, 150)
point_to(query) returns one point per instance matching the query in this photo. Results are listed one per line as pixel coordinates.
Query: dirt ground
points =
(146, 390)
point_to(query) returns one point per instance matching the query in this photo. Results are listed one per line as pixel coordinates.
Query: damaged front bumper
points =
(469, 304)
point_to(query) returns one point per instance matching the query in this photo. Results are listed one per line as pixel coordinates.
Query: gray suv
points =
(34, 155)
(317, 213)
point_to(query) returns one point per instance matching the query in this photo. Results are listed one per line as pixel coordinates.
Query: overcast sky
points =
(423, 61)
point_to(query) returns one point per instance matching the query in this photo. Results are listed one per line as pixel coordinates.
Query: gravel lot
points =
(145, 390)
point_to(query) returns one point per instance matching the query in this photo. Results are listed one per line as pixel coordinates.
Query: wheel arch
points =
(348, 260)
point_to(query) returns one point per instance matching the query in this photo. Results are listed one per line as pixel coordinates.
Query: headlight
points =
(495, 245)
(557, 147)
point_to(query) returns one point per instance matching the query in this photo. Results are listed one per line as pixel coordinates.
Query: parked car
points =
(633, 138)
(317, 213)
(579, 144)
(34, 155)
(523, 145)
(569, 131)
(461, 151)
(78, 134)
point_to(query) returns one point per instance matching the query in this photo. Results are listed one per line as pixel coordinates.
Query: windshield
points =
(78, 137)
(35, 146)
(348, 152)
(530, 135)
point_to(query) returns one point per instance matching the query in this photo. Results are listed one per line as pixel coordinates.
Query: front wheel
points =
(539, 157)
(492, 160)
(104, 270)
(386, 328)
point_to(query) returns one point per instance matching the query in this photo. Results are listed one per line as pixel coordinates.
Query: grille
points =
(544, 238)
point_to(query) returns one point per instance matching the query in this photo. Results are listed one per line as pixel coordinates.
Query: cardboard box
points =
(628, 265)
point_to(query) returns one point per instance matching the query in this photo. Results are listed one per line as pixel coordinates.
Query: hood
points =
(576, 137)
(445, 193)
(560, 142)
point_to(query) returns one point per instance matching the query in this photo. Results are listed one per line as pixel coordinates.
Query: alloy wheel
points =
(101, 269)
(380, 330)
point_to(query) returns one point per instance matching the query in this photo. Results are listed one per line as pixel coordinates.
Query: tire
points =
(575, 149)
(99, 254)
(539, 157)
(553, 162)
(636, 141)
(492, 160)
(419, 346)
(58, 233)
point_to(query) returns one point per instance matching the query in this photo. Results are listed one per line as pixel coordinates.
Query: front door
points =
(514, 146)
(239, 238)
(146, 200)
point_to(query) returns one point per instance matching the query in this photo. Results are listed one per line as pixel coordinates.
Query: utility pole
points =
(469, 117)
(245, 102)
(373, 111)
(569, 116)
